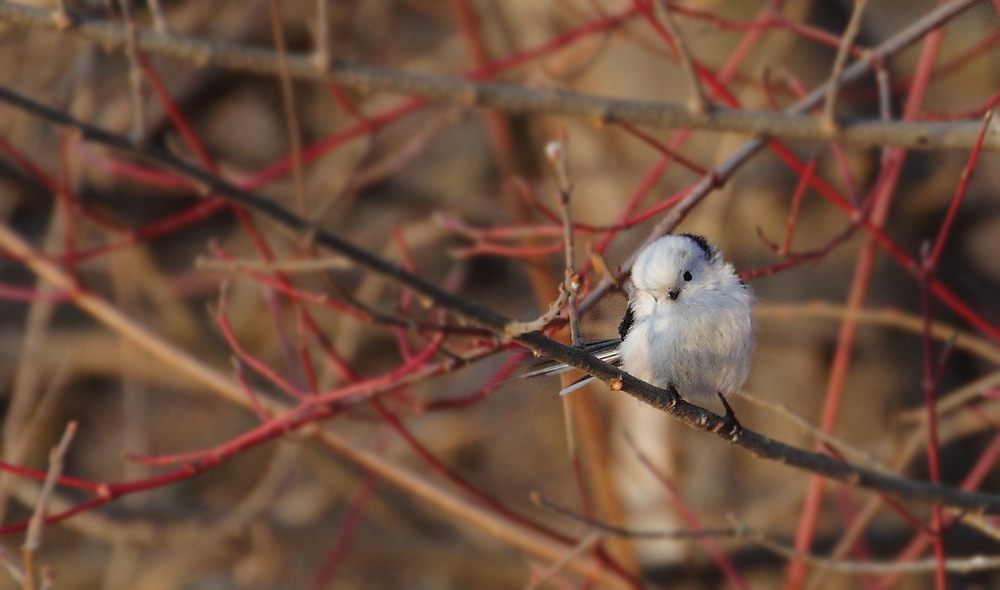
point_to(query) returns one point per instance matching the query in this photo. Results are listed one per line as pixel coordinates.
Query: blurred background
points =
(458, 195)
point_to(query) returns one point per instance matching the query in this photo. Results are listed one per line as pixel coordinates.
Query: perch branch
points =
(665, 400)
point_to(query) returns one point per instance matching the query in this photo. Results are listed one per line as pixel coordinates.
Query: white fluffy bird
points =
(689, 322)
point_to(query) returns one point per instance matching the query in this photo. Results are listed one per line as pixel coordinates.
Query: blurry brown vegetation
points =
(352, 502)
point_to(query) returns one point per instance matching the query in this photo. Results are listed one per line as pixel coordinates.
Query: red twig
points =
(793, 215)
(929, 387)
(881, 197)
(692, 520)
(25, 294)
(270, 374)
(963, 185)
(348, 528)
(424, 453)
(489, 70)
(405, 297)
(943, 293)
(984, 466)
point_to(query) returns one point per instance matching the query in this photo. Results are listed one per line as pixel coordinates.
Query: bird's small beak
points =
(673, 294)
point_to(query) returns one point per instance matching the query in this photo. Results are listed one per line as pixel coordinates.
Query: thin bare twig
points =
(48, 579)
(513, 329)
(289, 266)
(135, 75)
(977, 522)
(793, 124)
(829, 117)
(160, 23)
(608, 529)
(697, 102)
(892, 318)
(817, 433)
(744, 531)
(965, 565)
(33, 540)
(556, 153)
(61, 17)
(291, 110)
(321, 53)
(579, 549)
(13, 568)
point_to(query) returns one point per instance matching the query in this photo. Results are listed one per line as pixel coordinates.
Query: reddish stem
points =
(793, 215)
(348, 529)
(963, 185)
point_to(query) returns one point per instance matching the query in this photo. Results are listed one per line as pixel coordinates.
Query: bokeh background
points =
(293, 512)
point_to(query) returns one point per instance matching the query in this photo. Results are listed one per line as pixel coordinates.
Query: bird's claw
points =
(730, 425)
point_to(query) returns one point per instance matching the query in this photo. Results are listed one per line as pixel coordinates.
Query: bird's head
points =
(674, 269)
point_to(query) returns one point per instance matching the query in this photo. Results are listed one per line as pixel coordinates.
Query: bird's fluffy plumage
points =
(689, 321)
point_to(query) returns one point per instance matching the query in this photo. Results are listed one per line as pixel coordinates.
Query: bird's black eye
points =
(687, 276)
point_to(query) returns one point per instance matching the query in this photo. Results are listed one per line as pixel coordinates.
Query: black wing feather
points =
(606, 350)
(626, 324)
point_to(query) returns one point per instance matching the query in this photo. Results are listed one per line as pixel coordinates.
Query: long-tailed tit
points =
(689, 322)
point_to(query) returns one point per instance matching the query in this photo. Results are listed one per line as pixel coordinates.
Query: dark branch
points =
(665, 400)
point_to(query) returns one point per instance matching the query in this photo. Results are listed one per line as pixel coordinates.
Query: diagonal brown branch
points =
(666, 400)
(791, 125)
(460, 508)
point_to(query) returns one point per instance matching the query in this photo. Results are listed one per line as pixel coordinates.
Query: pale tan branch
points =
(845, 566)
(290, 108)
(792, 125)
(892, 318)
(287, 266)
(842, 446)
(457, 507)
(697, 102)
(829, 117)
(514, 329)
(581, 548)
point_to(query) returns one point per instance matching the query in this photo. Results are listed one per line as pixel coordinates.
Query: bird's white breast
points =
(701, 345)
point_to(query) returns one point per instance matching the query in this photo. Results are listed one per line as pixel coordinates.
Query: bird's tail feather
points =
(606, 350)
(578, 384)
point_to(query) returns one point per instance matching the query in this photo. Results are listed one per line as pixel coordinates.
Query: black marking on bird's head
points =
(705, 245)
